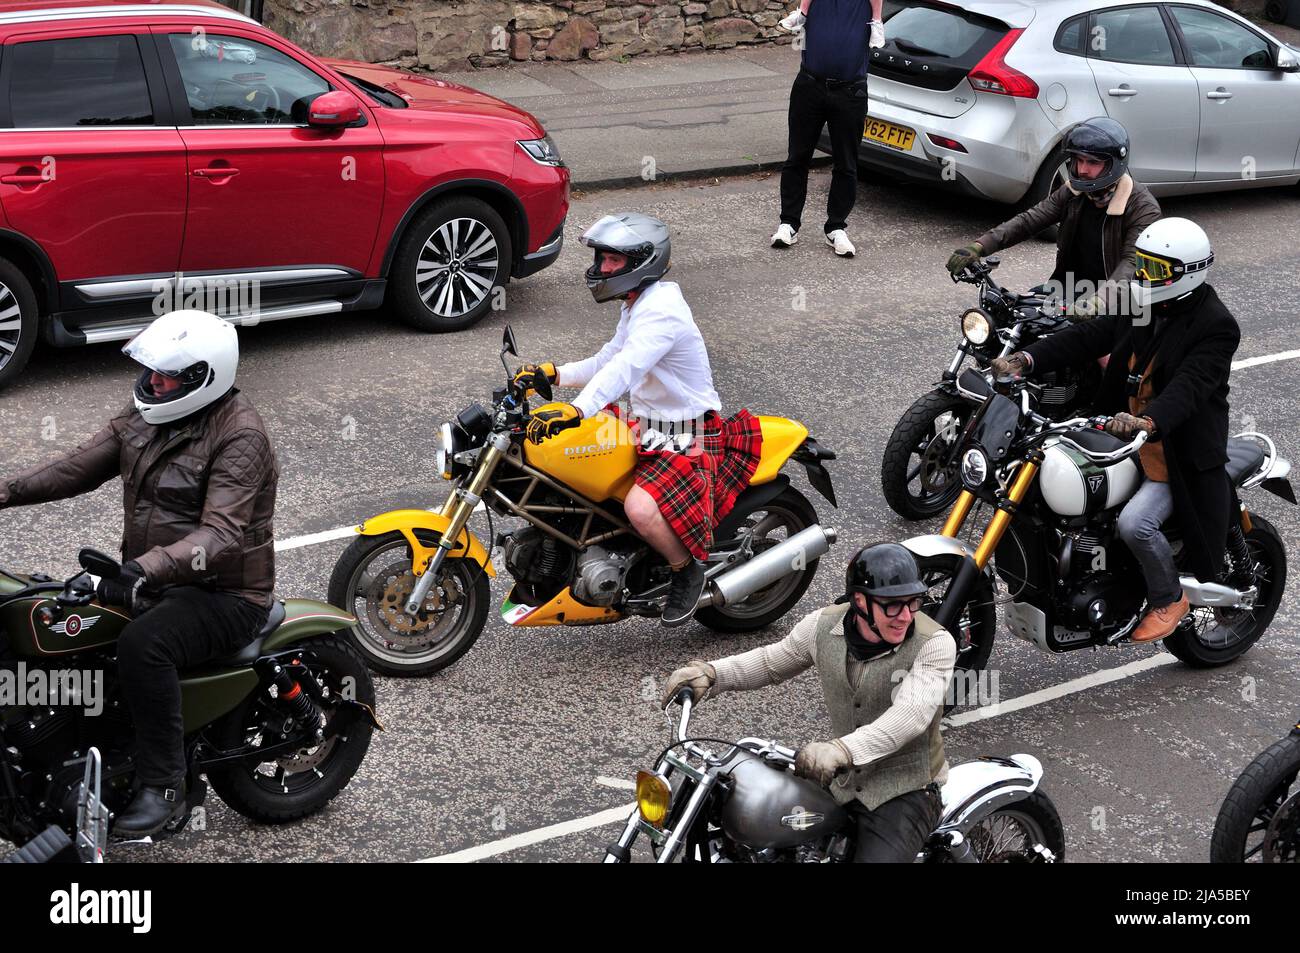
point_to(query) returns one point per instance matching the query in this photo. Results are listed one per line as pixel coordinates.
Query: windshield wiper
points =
(904, 43)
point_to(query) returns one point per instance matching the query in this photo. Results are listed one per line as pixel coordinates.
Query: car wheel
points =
(1051, 175)
(449, 264)
(18, 321)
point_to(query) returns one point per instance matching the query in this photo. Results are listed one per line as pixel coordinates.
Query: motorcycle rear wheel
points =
(1259, 821)
(289, 787)
(1010, 834)
(1209, 637)
(788, 514)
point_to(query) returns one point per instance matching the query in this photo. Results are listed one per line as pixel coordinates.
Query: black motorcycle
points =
(1056, 489)
(744, 804)
(1260, 818)
(918, 471)
(278, 728)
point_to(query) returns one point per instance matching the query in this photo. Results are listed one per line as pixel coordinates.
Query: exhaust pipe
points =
(1215, 595)
(766, 568)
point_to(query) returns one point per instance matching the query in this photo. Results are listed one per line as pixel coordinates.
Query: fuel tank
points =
(36, 628)
(595, 459)
(773, 808)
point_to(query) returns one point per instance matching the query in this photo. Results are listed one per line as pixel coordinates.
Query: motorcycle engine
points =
(1101, 596)
(600, 575)
(540, 564)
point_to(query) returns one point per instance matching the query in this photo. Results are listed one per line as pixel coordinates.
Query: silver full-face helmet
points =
(642, 239)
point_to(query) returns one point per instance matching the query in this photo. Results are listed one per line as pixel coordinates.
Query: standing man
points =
(830, 91)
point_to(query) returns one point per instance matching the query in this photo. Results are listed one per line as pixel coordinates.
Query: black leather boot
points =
(683, 594)
(149, 811)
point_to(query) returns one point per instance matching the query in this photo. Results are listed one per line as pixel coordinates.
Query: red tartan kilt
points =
(696, 489)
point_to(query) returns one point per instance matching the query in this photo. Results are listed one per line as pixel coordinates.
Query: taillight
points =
(993, 75)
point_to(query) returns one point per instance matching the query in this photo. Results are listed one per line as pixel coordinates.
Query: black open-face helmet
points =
(1100, 138)
(884, 571)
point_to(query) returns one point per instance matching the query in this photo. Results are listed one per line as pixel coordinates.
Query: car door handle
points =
(216, 172)
(24, 178)
(1122, 91)
(1219, 93)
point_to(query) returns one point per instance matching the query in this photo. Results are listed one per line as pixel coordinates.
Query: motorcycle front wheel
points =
(1259, 821)
(767, 526)
(1212, 637)
(373, 579)
(975, 628)
(917, 477)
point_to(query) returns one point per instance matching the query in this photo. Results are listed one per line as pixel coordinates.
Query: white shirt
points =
(657, 353)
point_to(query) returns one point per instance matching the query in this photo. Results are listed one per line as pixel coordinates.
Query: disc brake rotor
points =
(935, 477)
(1282, 837)
(386, 597)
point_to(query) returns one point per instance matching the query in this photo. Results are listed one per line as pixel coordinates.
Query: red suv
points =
(163, 155)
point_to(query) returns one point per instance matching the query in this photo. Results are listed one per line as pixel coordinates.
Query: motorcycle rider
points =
(884, 668)
(691, 464)
(199, 476)
(1100, 209)
(1167, 376)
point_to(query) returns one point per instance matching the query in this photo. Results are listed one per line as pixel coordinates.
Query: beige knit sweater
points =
(918, 695)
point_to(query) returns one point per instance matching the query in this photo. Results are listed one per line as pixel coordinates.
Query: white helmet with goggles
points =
(1173, 259)
(197, 350)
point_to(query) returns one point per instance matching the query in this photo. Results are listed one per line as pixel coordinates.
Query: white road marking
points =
(1105, 676)
(615, 815)
(618, 784)
(1266, 359)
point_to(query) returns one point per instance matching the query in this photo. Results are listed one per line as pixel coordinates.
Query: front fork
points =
(1006, 510)
(458, 508)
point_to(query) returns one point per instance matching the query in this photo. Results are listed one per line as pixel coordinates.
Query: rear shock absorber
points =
(1242, 571)
(290, 697)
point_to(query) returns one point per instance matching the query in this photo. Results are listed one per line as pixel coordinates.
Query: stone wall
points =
(447, 35)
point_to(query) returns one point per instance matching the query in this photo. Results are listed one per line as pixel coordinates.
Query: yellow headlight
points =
(977, 327)
(652, 797)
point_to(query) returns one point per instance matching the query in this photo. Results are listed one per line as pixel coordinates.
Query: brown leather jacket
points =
(199, 498)
(1131, 209)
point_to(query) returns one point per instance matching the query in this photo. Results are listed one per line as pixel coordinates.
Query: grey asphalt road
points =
(513, 738)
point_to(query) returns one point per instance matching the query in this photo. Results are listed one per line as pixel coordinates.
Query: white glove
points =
(877, 35)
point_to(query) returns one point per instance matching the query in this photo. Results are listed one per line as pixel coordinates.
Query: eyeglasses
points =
(894, 609)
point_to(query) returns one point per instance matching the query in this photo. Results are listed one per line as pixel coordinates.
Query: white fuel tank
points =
(1072, 485)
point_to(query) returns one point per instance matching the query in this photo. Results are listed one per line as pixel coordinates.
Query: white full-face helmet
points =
(197, 349)
(1173, 258)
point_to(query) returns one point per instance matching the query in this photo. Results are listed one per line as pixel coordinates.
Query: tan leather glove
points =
(697, 675)
(1125, 425)
(1013, 365)
(820, 761)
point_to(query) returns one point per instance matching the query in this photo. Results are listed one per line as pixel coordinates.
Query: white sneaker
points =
(794, 21)
(839, 240)
(784, 237)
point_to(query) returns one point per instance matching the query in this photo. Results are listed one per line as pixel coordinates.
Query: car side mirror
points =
(1286, 60)
(336, 109)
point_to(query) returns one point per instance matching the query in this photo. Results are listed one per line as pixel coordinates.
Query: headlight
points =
(542, 150)
(974, 468)
(652, 797)
(444, 451)
(976, 326)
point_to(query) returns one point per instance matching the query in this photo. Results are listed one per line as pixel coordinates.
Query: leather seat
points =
(1244, 458)
(251, 652)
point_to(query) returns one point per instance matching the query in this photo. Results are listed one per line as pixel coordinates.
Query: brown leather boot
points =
(1158, 623)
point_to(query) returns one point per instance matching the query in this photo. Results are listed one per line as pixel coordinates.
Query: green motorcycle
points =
(279, 728)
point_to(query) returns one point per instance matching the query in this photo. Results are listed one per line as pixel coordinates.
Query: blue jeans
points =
(1139, 528)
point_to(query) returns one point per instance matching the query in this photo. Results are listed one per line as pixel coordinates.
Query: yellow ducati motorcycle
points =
(417, 579)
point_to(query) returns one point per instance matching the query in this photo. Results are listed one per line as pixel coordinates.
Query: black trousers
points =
(188, 627)
(895, 831)
(841, 108)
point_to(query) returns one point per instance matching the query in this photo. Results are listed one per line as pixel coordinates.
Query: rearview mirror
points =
(93, 561)
(508, 343)
(336, 109)
(1286, 60)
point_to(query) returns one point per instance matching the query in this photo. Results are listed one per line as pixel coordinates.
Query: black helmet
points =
(1099, 138)
(884, 571)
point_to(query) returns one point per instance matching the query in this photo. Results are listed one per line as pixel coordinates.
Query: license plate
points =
(888, 134)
